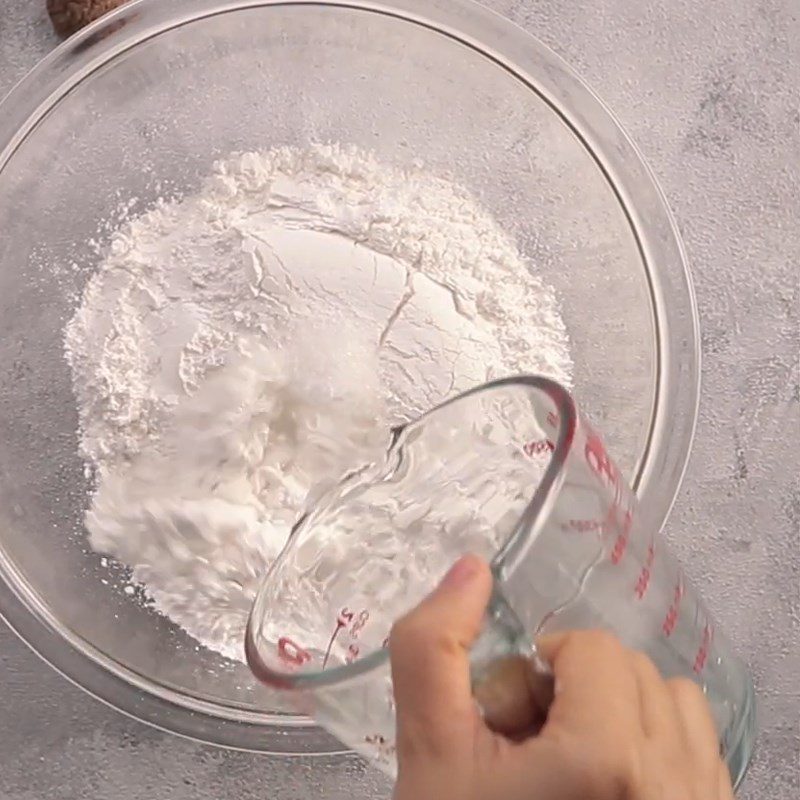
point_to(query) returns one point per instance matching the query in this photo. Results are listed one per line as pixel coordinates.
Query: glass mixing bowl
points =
(147, 98)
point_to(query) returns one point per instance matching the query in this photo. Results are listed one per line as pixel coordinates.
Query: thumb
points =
(429, 650)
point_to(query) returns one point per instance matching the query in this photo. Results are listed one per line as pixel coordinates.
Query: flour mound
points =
(240, 349)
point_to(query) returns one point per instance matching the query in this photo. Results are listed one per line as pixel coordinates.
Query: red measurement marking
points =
(385, 644)
(538, 447)
(352, 653)
(643, 581)
(552, 419)
(702, 652)
(356, 623)
(583, 525)
(607, 525)
(291, 653)
(624, 536)
(342, 621)
(597, 458)
(673, 612)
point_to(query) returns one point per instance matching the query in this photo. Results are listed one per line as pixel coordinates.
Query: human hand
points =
(616, 730)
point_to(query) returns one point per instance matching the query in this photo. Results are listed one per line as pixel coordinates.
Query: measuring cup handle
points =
(512, 685)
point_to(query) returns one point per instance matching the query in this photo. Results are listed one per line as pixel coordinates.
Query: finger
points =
(595, 683)
(660, 718)
(699, 729)
(429, 650)
(549, 771)
(724, 782)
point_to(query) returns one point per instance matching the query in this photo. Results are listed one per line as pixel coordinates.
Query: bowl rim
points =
(676, 389)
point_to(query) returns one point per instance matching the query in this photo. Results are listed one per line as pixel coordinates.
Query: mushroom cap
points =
(69, 16)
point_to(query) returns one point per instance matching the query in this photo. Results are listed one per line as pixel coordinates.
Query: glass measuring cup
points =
(513, 472)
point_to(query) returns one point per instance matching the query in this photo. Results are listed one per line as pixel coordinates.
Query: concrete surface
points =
(710, 92)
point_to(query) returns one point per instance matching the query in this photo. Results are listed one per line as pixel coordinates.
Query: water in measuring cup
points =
(457, 481)
(644, 597)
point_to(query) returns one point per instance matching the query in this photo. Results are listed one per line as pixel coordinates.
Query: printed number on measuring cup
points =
(538, 447)
(352, 654)
(352, 623)
(292, 653)
(347, 617)
(359, 624)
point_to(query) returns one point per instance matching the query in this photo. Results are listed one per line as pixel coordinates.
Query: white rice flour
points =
(241, 348)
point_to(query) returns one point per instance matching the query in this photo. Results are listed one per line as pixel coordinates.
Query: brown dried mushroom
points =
(69, 16)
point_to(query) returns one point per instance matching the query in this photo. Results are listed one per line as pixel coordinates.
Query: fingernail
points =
(461, 573)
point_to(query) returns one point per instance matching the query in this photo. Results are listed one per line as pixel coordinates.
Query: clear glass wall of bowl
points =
(140, 105)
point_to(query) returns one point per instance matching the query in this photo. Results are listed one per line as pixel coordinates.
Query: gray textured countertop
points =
(711, 93)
